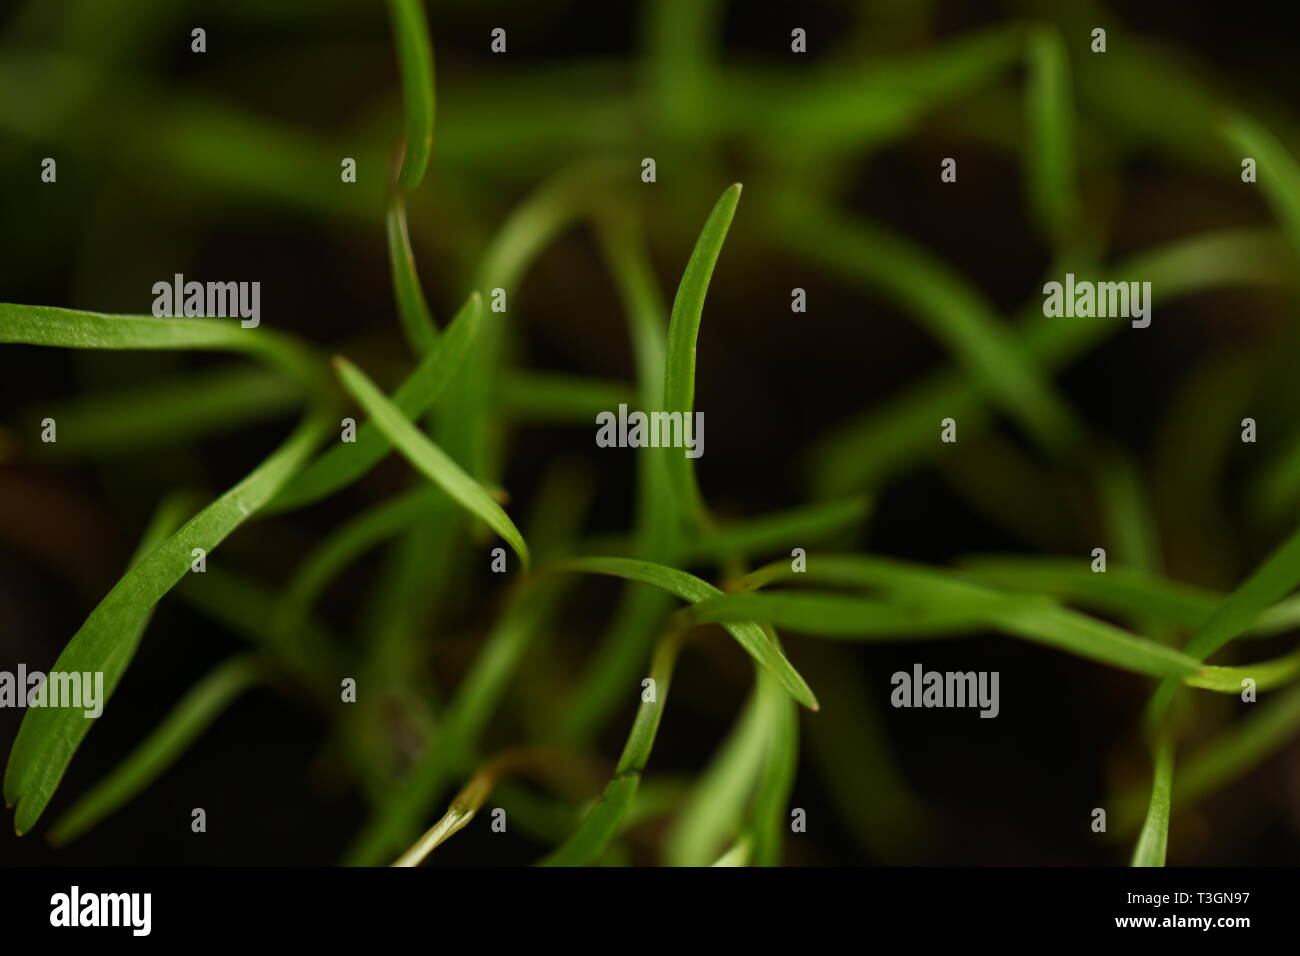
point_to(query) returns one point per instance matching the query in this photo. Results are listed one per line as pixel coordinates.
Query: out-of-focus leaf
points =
(415, 57)
(533, 397)
(1049, 156)
(180, 728)
(805, 525)
(168, 412)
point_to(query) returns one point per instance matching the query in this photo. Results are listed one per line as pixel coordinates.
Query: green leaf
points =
(218, 152)
(530, 606)
(242, 605)
(1270, 582)
(858, 764)
(68, 328)
(384, 520)
(683, 332)
(770, 810)
(412, 308)
(181, 727)
(347, 461)
(1000, 363)
(642, 301)
(599, 827)
(1266, 728)
(737, 855)
(861, 102)
(1049, 157)
(465, 427)
(839, 615)
(603, 822)
(1274, 578)
(642, 610)
(1130, 521)
(49, 737)
(1121, 590)
(808, 524)
(169, 412)
(545, 397)
(1088, 637)
(869, 449)
(428, 458)
(932, 599)
(415, 57)
(682, 36)
(1277, 170)
(1266, 675)
(1150, 849)
(712, 813)
(397, 821)
(690, 588)
(640, 740)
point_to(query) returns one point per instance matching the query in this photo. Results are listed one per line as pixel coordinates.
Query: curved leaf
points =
(690, 588)
(428, 458)
(933, 599)
(107, 640)
(346, 462)
(182, 725)
(412, 308)
(683, 332)
(415, 57)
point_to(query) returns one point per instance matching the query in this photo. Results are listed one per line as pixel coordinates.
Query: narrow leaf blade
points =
(428, 458)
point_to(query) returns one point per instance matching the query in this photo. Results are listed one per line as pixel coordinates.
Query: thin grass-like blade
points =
(804, 525)
(935, 599)
(1278, 172)
(690, 588)
(415, 58)
(1150, 849)
(346, 462)
(49, 737)
(711, 814)
(606, 818)
(412, 308)
(875, 446)
(428, 458)
(168, 412)
(201, 705)
(1050, 154)
(683, 333)
(997, 359)
(768, 816)
(546, 397)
